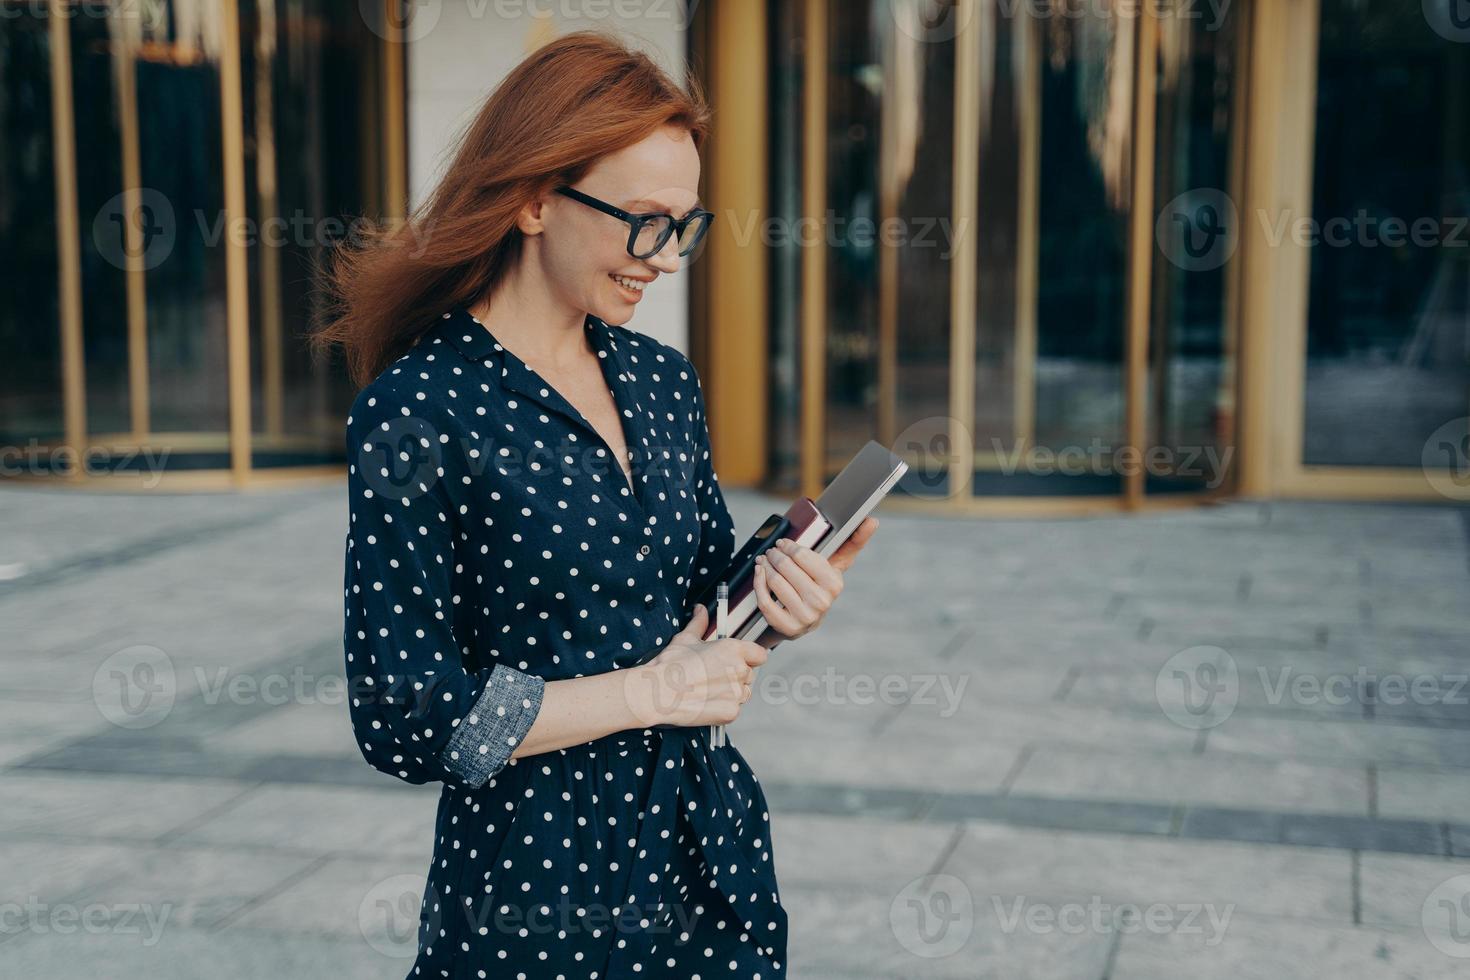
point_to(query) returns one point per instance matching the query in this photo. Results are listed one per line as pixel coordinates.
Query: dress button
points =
(644, 550)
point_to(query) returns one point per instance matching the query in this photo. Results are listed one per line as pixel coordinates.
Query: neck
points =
(526, 317)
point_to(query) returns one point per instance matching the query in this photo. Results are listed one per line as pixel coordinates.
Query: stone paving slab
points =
(107, 806)
(860, 853)
(326, 820)
(1396, 887)
(188, 954)
(1348, 741)
(1425, 794)
(842, 934)
(186, 887)
(347, 898)
(49, 870)
(1265, 949)
(1192, 778)
(1295, 882)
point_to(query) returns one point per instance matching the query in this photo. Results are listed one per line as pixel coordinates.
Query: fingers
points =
(802, 567)
(843, 557)
(817, 568)
(754, 653)
(790, 620)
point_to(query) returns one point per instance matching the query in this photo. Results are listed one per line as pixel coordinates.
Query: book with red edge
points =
(803, 523)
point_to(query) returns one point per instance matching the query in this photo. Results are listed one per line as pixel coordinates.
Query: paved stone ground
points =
(1218, 743)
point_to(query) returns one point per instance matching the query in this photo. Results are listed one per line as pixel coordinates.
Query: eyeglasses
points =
(650, 230)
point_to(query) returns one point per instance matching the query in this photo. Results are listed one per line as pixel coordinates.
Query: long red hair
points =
(575, 99)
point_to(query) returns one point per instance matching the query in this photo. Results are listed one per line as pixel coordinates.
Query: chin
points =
(614, 315)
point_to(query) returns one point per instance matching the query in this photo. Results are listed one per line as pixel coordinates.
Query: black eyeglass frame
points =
(638, 219)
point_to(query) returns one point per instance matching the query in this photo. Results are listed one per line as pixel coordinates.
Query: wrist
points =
(645, 695)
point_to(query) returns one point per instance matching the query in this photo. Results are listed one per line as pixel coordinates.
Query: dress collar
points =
(475, 341)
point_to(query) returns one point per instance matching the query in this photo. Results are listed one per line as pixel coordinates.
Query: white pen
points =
(722, 611)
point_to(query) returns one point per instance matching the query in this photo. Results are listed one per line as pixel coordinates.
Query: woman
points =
(533, 509)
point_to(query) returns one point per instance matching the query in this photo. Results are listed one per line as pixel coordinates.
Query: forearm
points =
(580, 709)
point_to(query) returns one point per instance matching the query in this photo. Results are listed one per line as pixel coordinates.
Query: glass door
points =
(997, 304)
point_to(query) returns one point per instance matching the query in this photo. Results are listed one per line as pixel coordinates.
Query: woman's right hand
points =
(693, 682)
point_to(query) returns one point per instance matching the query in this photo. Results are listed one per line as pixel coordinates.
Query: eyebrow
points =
(642, 203)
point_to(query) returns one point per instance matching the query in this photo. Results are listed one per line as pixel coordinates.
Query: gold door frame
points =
(240, 473)
(1283, 93)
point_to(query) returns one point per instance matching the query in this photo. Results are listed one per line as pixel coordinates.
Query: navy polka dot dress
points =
(494, 545)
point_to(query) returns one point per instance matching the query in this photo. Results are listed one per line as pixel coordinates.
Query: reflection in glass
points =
(312, 88)
(1192, 351)
(855, 106)
(179, 139)
(916, 198)
(787, 42)
(1056, 145)
(30, 371)
(1388, 328)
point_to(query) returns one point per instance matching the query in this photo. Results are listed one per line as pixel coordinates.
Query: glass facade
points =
(1388, 348)
(157, 96)
(1052, 263)
(1055, 259)
(30, 390)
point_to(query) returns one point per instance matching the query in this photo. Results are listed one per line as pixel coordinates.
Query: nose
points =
(666, 259)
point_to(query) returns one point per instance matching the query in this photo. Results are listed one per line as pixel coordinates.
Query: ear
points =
(529, 219)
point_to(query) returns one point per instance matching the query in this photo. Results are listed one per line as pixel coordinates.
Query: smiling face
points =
(583, 253)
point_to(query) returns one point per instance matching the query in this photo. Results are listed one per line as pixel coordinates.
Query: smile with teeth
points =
(634, 284)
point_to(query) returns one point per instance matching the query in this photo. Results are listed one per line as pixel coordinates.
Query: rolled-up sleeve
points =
(418, 714)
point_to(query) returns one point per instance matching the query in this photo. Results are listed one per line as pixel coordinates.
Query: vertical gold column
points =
(737, 321)
(1140, 252)
(814, 254)
(68, 236)
(965, 254)
(125, 36)
(237, 299)
(1278, 129)
(1028, 231)
(272, 330)
(395, 166)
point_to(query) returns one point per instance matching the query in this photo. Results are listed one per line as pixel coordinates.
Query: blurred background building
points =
(1067, 255)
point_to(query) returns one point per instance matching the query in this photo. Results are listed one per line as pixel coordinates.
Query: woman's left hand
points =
(795, 586)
